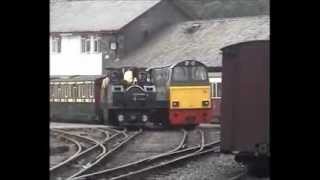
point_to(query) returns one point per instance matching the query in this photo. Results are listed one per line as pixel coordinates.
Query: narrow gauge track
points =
(92, 132)
(83, 159)
(112, 145)
(147, 164)
(104, 165)
(85, 141)
(79, 149)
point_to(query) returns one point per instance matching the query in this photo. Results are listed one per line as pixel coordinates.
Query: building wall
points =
(71, 61)
(160, 16)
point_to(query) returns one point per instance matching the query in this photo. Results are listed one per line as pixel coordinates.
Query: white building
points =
(85, 35)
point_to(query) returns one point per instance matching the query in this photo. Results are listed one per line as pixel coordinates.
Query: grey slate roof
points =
(107, 15)
(174, 44)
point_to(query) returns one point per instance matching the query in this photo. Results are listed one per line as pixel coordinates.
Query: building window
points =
(97, 44)
(56, 44)
(85, 44)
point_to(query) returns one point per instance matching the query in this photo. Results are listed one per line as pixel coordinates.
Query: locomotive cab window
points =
(180, 74)
(189, 73)
(199, 73)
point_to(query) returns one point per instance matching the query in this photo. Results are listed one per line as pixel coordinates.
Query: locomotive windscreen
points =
(189, 73)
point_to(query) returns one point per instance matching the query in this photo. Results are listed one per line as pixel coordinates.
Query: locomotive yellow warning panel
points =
(190, 97)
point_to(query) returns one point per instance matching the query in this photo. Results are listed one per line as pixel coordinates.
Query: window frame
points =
(85, 45)
(96, 44)
(56, 42)
(214, 88)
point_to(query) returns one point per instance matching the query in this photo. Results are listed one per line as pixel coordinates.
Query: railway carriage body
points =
(74, 99)
(245, 102)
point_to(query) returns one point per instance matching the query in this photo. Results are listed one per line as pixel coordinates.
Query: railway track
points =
(112, 145)
(77, 162)
(144, 165)
(78, 146)
(87, 157)
(126, 155)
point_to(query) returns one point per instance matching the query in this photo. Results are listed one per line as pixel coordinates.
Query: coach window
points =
(55, 91)
(51, 91)
(85, 91)
(56, 44)
(216, 88)
(90, 91)
(80, 89)
(59, 92)
(85, 44)
(67, 93)
(219, 89)
(74, 92)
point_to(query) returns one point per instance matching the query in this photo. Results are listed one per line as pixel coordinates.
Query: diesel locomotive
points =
(185, 85)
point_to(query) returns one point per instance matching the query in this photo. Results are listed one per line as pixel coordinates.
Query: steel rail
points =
(79, 149)
(93, 164)
(192, 151)
(75, 135)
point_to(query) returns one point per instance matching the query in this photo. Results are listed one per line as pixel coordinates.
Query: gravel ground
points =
(92, 133)
(56, 143)
(147, 144)
(211, 166)
(206, 167)
(74, 125)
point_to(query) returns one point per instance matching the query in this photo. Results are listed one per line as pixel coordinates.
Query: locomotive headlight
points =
(175, 104)
(144, 118)
(205, 103)
(120, 117)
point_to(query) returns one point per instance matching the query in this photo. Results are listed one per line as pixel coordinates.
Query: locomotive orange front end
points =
(190, 105)
(189, 94)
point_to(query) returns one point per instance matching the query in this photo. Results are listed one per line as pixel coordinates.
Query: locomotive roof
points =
(75, 78)
(200, 40)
